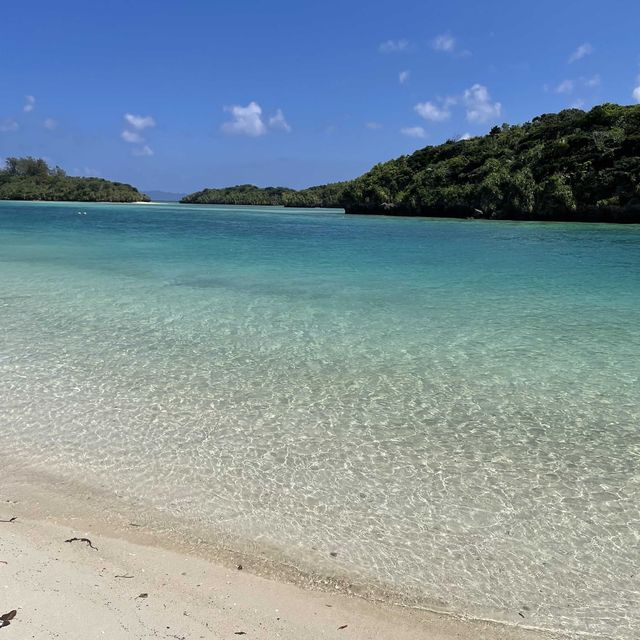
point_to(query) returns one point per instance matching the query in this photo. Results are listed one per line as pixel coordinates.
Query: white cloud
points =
(50, 123)
(465, 136)
(566, 86)
(278, 121)
(29, 105)
(444, 42)
(413, 132)
(132, 137)
(139, 122)
(432, 112)
(143, 151)
(393, 46)
(480, 108)
(246, 121)
(403, 76)
(582, 51)
(636, 94)
(593, 81)
(373, 125)
(8, 124)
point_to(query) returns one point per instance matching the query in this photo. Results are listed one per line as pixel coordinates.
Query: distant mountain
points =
(165, 196)
(33, 179)
(573, 165)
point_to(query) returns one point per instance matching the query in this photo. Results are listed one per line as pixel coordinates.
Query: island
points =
(33, 179)
(573, 165)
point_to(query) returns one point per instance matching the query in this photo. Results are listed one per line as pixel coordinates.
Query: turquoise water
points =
(451, 405)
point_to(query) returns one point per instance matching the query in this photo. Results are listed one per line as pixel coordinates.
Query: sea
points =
(443, 411)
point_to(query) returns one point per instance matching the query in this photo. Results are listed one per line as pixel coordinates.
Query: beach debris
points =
(133, 524)
(6, 618)
(143, 595)
(124, 575)
(239, 567)
(239, 633)
(82, 540)
(343, 626)
(521, 614)
(3, 562)
(10, 519)
(333, 554)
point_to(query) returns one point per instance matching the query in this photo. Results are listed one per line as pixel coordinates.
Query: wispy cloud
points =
(593, 81)
(246, 121)
(29, 104)
(139, 122)
(133, 137)
(570, 85)
(566, 86)
(444, 42)
(480, 107)
(145, 150)
(279, 122)
(433, 112)
(8, 124)
(582, 51)
(393, 46)
(373, 125)
(465, 136)
(636, 91)
(50, 123)
(413, 132)
(403, 77)
(132, 134)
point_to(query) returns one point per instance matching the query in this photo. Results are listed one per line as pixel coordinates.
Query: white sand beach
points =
(129, 584)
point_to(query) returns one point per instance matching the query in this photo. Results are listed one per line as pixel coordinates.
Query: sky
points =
(185, 95)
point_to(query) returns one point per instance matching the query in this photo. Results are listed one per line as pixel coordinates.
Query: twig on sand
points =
(6, 618)
(124, 576)
(82, 540)
(10, 519)
(344, 626)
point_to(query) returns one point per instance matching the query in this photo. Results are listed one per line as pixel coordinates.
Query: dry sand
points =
(128, 588)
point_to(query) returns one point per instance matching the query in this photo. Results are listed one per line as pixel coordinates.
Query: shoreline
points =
(46, 580)
(632, 219)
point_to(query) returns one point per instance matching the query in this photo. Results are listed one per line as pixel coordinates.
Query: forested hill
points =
(33, 179)
(573, 165)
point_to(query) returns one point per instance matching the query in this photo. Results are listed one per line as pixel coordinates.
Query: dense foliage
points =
(33, 179)
(241, 194)
(573, 165)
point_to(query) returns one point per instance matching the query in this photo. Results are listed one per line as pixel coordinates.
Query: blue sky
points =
(183, 95)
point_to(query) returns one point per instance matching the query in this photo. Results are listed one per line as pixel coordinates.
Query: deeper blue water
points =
(454, 405)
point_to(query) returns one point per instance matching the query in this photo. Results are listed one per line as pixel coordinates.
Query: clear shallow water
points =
(452, 405)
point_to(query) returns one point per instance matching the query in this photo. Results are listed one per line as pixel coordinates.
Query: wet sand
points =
(129, 584)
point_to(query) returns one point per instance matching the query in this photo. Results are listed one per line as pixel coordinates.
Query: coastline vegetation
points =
(33, 179)
(573, 165)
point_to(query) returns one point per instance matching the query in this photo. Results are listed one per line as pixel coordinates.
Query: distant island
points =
(164, 196)
(573, 166)
(33, 179)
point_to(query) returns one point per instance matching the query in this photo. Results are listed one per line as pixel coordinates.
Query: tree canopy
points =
(572, 165)
(32, 179)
